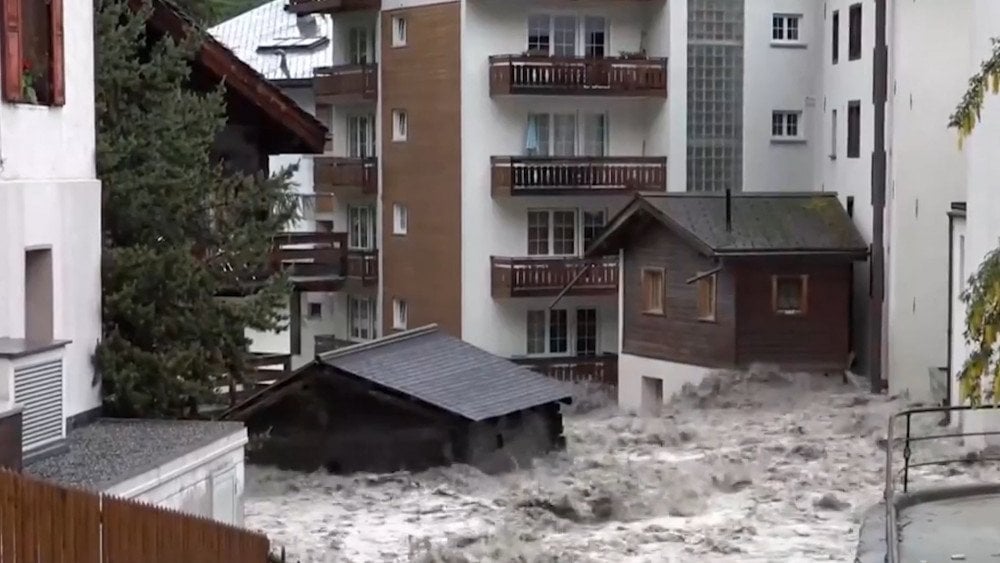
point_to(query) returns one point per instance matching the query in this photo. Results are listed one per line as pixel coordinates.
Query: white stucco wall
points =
(959, 275)
(50, 198)
(632, 369)
(207, 482)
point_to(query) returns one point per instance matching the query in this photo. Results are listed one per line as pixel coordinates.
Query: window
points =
(398, 31)
(33, 52)
(789, 294)
(595, 132)
(399, 314)
(833, 134)
(361, 49)
(593, 224)
(559, 36)
(786, 125)
(550, 333)
(400, 126)
(566, 134)
(551, 232)
(539, 35)
(706, 297)
(361, 235)
(854, 40)
(652, 290)
(854, 129)
(400, 219)
(785, 28)
(595, 37)
(361, 316)
(836, 36)
(361, 136)
(315, 310)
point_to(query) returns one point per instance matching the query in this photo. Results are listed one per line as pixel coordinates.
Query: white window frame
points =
(398, 31)
(361, 45)
(357, 309)
(584, 124)
(361, 135)
(780, 24)
(400, 125)
(580, 40)
(572, 332)
(400, 219)
(365, 231)
(784, 136)
(550, 251)
(400, 314)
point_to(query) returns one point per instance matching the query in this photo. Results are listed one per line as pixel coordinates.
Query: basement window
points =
(789, 295)
(653, 290)
(33, 52)
(706, 298)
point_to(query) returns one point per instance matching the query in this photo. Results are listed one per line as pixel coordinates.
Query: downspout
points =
(951, 288)
(877, 289)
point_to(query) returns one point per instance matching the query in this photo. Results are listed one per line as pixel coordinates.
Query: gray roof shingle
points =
(448, 373)
(270, 25)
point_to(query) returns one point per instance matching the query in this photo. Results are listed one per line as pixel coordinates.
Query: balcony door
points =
(557, 332)
(361, 318)
(361, 136)
(567, 134)
(552, 232)
(361, 48)
(362, 227)
(567, 35)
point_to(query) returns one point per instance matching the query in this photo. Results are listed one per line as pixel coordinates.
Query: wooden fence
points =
(45, 523)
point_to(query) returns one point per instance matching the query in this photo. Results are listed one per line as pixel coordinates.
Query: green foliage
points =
(969, 110)
(179, 229)
(211, 12)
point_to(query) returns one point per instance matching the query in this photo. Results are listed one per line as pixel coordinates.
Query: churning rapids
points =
(759, 467)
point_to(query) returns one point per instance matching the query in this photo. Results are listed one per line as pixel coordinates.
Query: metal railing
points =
(892, 540)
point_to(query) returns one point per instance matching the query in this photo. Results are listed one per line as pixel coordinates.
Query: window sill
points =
(789, 44)
(788, 140)
(790, 313)
(707, 319)
(33, 107)
(654, 313)
(402, 234)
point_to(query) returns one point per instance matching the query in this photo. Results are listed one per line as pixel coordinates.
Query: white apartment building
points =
(466, 135)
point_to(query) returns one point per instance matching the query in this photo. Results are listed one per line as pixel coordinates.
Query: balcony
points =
(514, 175)
(317, 207)
(578, 76)
(333, 172)
(547, 277)
(346, 84)
(313, 261)
(601, 370)
(363, 265)
(303, 7)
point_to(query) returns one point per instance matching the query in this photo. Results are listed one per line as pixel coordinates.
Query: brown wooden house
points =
(720, 281)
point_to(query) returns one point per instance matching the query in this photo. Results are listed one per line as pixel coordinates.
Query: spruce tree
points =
(179, 227)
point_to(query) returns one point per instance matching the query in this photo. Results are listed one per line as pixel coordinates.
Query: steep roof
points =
(760, 223)
(261, 36)
(306, 133)
(436, 369)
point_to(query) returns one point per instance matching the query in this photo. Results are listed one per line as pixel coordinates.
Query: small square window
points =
(785, 29)
(789, 294)
(399, 314)
(398, 31)
(400, 125)
(400, 219)
(315, 310)
(786, 125)
(653, 290)
(706, 298)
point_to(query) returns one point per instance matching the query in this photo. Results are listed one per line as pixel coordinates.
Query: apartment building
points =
(478, 145)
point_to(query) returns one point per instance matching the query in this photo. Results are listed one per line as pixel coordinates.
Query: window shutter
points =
(58, 59)
(11, 42)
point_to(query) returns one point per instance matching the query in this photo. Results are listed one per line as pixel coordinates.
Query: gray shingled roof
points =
(271, 25)
(775, 223)
(448, 373)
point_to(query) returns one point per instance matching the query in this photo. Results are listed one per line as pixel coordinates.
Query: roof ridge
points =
(377, 343)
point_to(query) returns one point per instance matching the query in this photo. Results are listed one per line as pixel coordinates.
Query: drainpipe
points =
(877, 289)
(951, 286)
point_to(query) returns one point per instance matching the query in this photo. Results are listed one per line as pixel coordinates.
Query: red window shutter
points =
(11, 43)
(58, 59)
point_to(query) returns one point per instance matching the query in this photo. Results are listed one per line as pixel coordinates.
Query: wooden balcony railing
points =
(514, 175)
(346, 84)
(575, 76)
(333, 172)
(314, 261)
(363, 265)
(541, 277)
(601, 370)
(303, 7)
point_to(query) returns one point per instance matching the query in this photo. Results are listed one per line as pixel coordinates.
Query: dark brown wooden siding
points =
(817, 340)
(677, 336)
(423, 173)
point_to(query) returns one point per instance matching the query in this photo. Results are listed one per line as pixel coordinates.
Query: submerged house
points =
(50, 286)
(413, 400)
(720, 281)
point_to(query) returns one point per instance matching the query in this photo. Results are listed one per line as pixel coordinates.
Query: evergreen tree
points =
(179, 228)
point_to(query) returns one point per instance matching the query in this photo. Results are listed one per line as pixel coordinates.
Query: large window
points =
(361, 317)
(552, 333)
(551, 232)
(362, 227)
(361, 49)
(567, 36)
(854, 40)
(361, 136)
(593, 224)
(33, 52)
(566, 134)
(854, 129)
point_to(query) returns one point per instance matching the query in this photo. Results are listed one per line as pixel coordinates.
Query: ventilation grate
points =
(38, 389)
